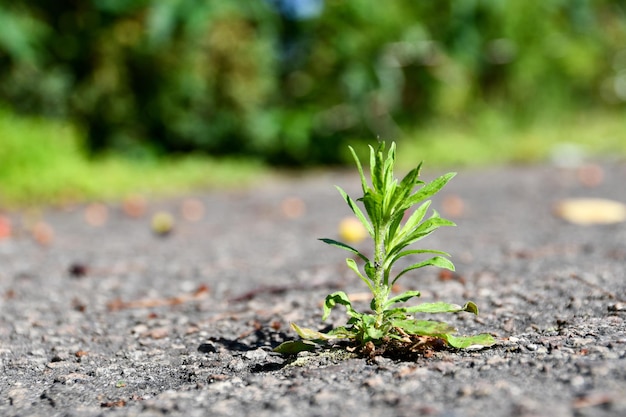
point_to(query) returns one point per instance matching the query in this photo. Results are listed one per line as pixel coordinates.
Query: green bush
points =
(240, 77)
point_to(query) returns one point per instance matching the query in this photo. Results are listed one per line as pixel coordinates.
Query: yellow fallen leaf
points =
(588, 211)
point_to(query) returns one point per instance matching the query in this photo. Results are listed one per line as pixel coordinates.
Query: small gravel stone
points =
(256, 355)
(18, 397)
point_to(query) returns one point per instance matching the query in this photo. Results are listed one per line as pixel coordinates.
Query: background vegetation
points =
(291, 82)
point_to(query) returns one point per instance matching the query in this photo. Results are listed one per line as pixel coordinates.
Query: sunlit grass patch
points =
(42, 162)
(499, 139)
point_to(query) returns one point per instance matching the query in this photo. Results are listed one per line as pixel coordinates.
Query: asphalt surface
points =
(101, 317)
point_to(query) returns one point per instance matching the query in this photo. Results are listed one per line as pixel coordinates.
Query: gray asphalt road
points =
(111, 320)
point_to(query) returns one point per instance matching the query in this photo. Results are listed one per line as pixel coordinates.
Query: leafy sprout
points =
(386, 202)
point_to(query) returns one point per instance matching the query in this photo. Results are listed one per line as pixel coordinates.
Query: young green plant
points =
(386, 201)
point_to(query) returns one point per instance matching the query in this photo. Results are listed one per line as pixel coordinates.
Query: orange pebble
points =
(5, 228)
(453, 205)
(43, 233)
(590, 175)
(292, 207)
(134, 206)
(96, 214)
(192, 209)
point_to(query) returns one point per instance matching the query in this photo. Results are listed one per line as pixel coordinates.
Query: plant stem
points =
(381, 291)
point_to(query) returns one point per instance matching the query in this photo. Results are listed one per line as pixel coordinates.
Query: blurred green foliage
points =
(250, 77)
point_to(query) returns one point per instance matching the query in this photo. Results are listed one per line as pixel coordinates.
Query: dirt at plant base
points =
(108, 318)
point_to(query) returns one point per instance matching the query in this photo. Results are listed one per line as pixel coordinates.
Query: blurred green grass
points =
(42, 162)
(493, 138)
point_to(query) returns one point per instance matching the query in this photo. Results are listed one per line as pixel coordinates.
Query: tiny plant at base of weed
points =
(390, 322)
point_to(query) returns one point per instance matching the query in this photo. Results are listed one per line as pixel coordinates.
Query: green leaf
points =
(424, 327)
(405, 296)
(353, 266)
(292, 347)
(343, 333)
(397, 313)
(309, 334)
(344, 246)
(376, 167)
(389, 163)
(389, 184)
(387, 200)
(438, 307)
(370, 270)
(364, 328)
(430, 189)
(409, 182)
(364, 184)
(413, 221)
(404, 189)
(437, 261)
(443, 331)
(357, 211)
(420, 232)
(394, 224)
(470, 307)
(373, 204)
(341, 298)
(464, 342)
(393, 260)
(372, 333)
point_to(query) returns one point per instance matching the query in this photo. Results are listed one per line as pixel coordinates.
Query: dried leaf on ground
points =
(589, 211)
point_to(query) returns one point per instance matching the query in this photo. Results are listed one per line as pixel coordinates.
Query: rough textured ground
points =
(114, 321)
